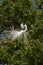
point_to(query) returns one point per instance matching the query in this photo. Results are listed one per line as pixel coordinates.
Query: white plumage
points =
(15, 34)
(22, 27)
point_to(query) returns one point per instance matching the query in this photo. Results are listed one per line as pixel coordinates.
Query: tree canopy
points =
(13, 12)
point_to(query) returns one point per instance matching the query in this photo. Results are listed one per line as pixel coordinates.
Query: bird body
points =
(15, 34)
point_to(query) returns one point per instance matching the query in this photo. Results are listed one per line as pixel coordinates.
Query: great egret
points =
(15, 34)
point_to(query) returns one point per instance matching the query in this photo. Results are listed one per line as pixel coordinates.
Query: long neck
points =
(25, 29)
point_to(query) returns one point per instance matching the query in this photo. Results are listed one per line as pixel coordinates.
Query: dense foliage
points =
(13, 12)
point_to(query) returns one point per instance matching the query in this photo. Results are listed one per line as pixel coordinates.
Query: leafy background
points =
(13, 12)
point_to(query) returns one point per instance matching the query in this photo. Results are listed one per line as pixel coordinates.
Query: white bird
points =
(15, 34)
